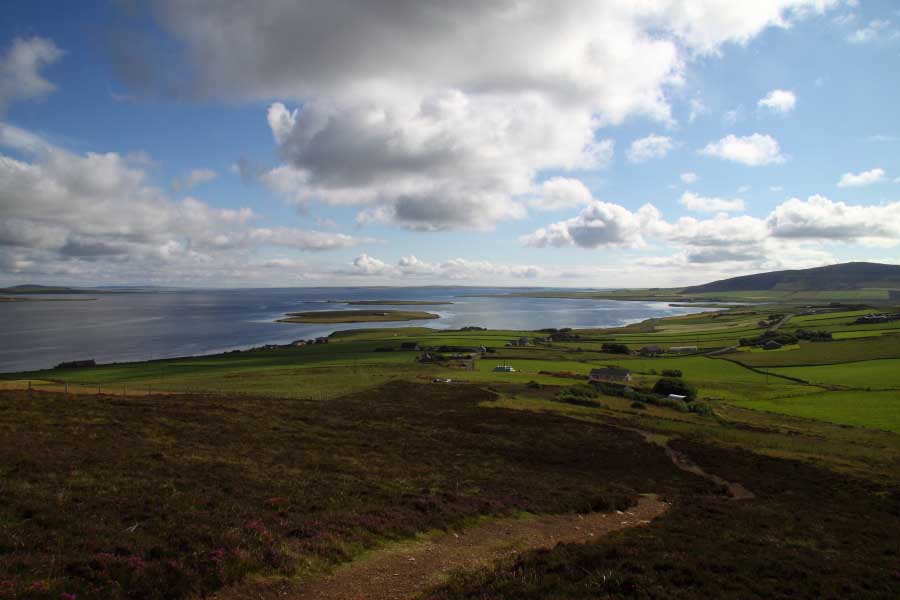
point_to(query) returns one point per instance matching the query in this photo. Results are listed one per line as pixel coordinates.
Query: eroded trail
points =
(407, 571)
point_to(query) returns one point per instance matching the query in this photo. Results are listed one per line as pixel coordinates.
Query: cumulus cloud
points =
(600, 224)
(456, 133)
(689, 177)
(21, 66)
(696, 203)
(779, 101)
(752, 150)
(793, 235)
(652, 146)
(819, 218)
(457, 269)
(561, 192)
(193, 178)
(60, 208)
(860, 179)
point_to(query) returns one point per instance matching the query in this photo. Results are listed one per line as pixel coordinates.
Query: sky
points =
(219, 143)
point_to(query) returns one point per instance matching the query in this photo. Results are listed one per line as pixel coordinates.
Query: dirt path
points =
(735, 490)
(405, 572)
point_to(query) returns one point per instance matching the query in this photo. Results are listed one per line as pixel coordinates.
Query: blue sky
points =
(485, 143)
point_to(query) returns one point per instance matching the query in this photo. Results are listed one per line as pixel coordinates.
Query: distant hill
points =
(846, 276)
(44, 289)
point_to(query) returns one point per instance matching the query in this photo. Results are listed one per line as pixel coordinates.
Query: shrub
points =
(614, 348)
(638, 405)
(672, 385)
(671, 373)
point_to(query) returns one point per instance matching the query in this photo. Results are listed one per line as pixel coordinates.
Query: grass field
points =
(865, 409)
(825, 353)
(869, 374)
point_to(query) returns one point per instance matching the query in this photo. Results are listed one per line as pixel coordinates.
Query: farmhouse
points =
(504, 369)
(653, 350)
(610, 374)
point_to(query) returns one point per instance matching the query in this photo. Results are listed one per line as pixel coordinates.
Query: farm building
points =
(504, 369)
(771, 345)
(682, 349)
(610, 374)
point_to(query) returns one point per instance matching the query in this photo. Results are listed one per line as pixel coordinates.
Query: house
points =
(771, 345)
(610, 374)
(676, 397)
(682, 349)
(321, 340)
(651, 351)
(504, 369)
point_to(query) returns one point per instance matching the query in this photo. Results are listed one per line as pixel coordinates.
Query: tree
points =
(671, 385)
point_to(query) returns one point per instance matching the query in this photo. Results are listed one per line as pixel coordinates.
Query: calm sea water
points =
(147, 325)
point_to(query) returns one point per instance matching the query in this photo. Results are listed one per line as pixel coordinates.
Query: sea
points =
(144, 325)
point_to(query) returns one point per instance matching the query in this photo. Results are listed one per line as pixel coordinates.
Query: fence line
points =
(143, 389)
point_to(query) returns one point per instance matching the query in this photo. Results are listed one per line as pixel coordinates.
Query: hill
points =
(846, 276)
(46, 289)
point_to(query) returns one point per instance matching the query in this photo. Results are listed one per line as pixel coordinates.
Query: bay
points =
(121, 327)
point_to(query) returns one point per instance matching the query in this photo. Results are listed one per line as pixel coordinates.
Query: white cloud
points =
(860, 179)
(456, 269)
(652, 146)
(193, 178)
(20, 69)
(779, 101)
(689, 177)
(62, 210)
(561, 192)
(819, 218)
(776, 188)
(873, 31)
(697, 108)
(696, 203)
(600, 224)
(753, 150)
(455, 133)
(793, 235)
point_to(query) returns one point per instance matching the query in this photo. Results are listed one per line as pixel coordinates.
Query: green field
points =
(869, 374)
(879, 410)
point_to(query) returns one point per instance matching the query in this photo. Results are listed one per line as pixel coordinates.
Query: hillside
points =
(47, 289)
(846, 276)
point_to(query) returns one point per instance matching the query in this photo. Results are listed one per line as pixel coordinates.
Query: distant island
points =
(395, 302)
(356, 316)
(47, 289)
